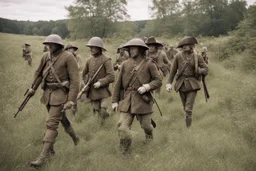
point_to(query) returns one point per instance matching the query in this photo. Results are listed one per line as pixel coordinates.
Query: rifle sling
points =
(184, 67)
(97, 71)
(53, 70)
(135, 73)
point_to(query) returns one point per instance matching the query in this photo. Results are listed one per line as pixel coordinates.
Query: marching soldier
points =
(60, 82)
(45, 49)
(171, 52)
(27, 53)
(158, 56)
(73, 49)
(188, 66)
(122, 55)
(132, 93)
(204, 55)
(99, 67)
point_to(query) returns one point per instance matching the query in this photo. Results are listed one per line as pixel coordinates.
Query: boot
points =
(125, 145)
(188, 121)
(43, 156)
(149, 138)
(72, 134)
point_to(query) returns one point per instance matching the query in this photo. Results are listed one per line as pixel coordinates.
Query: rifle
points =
(156, 104)
(37, 81)
(206, 93)
(89, 81)
(34, 86)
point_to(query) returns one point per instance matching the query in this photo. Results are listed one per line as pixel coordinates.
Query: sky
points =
(35, 10)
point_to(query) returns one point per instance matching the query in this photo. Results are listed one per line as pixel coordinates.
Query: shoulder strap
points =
(45, 73)
(183, 68)
(92, 78)
(135, 72)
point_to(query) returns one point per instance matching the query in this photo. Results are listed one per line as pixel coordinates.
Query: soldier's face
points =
(134, 52)
(152, 48)
(186, 48)
(52, 47)
(94, 50)
(71, 50)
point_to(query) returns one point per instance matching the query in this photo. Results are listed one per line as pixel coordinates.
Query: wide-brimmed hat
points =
(71, 47)
(152, 41)
(187, 41)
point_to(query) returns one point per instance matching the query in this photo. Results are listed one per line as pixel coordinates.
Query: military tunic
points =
(131, 103)
(98, 96)
(54, 96)
(187, 82)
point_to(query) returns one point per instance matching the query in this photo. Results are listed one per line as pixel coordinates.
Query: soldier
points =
(98, 90)
(171, 52)
(45, 49)
(132, 93)
(27, 53)
(188, 66)
(73, 49)
(159, 57)
(60, 81)
(122, 55)
(204, 55)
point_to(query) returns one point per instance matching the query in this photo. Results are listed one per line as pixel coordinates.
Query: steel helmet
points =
(54, 38)
(204, 49)
(69, 46)
(136, 42)
(96, 42)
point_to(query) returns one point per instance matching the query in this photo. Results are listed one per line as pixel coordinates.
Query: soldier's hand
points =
(31, 92)
(168, 87)
(142, 89)
(68, 105)
(97, 85)
(114, 106)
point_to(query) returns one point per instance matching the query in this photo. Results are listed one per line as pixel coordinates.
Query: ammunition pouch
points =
(53, 86)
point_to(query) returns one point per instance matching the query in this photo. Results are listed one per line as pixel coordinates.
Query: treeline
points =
(40, 28)
(108, 18)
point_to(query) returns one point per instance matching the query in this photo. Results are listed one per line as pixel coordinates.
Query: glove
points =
(114, 106)
(68, 105)
(96, 85)
(202, 71)
(142, 90)
(168, 87)
(31, 92)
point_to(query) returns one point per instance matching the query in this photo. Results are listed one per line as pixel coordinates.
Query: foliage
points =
(40, 28)
(97, 17)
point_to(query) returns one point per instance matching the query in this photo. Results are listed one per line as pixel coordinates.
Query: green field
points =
(222, 137)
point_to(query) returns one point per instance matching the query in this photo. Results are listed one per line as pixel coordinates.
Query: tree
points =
(36, 31)
(95, 17)
(162, 8)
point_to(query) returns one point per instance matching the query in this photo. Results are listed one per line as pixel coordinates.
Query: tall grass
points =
(221, 138)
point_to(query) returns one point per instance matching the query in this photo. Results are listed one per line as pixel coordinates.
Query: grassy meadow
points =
(222, 136)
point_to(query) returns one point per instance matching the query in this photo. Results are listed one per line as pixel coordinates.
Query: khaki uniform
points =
(205, 57)
(121, 57)
(131, 103)
(187, 84)
(53, 96)
(161, 60)
(99, 96)
(171, 53)
(27, 54)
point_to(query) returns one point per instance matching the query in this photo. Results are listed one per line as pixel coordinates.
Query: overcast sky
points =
(35, 10)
